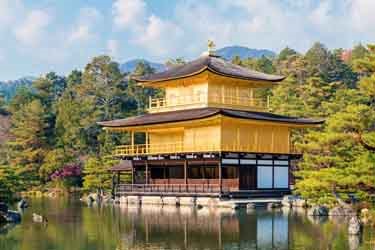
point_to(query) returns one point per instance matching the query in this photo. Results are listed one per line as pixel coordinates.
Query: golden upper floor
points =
(209, 81)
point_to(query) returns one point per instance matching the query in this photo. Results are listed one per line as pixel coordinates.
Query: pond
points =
(74, 226)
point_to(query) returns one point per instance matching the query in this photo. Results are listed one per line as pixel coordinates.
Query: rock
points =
(342, 211)
(123, 200)
(287, 200)
(318, 211)
(354, 242)
(116, 200)
(293, 201)
(273, 205)
(22, 204)
(13, 217)
(355, 226)
(365, 215)
(235, 206)
(39, 218)
(5, 228)
(3, 220)
(199, 206)
(250, 206)
(298, 202)
(3, 207)
(364, 212)
(107, 199)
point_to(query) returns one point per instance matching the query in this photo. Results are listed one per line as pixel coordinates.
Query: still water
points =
(74, 226)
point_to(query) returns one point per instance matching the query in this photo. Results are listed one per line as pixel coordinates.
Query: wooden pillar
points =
(147, 143)
(132, 140)
(146, 172)
(220, 175)
(185, 172)
(133, 174)
(251, 97)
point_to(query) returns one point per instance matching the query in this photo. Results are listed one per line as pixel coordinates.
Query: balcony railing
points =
(169, 188)
(165, 148)
(179, 147)
(174, 103)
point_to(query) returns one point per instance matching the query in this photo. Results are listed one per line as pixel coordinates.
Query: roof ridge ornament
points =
(211, 46)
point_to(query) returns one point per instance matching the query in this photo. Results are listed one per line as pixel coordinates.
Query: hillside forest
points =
(52, 139)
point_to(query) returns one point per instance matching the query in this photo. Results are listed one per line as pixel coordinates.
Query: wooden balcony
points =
(179, 147)
(205, 100)
(166, 148)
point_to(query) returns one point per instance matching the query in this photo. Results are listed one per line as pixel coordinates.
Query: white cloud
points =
(2, 56)
(113, 47)
(8, 11)
(363, 15)
(80, 33)
(83, 30)
(128, 14)
(159, 36)
(33, 29)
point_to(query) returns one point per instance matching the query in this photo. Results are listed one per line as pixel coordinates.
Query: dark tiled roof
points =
(194, 114)
(211, 63)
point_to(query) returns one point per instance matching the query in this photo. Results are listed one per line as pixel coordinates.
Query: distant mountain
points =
(8, 88)
(129, 66)
(243, 52)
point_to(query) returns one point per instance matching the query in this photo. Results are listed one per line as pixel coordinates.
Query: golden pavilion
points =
(208, 136)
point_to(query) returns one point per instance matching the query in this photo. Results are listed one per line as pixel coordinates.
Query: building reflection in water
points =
(156, 227)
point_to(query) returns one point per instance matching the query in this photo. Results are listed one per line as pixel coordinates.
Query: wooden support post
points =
(132, 140)
(251, 97)
(220, 176)
(146, 172)
(185, 172)
(147, 143)
(133, 174)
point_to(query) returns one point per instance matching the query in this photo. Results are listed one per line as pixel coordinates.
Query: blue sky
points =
(38, 36)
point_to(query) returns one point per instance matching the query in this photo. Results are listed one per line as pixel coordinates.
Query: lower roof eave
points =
(172, 117)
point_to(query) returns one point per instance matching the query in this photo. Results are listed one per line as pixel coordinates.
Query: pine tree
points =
(28, 147)
(97, 176)
(341, 159)
(3, 108)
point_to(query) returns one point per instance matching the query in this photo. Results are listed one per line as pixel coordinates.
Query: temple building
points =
(208, 136)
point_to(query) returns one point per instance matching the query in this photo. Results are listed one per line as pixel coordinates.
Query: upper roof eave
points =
(213, 64)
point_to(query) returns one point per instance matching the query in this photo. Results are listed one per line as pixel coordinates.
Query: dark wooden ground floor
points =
(228, 174)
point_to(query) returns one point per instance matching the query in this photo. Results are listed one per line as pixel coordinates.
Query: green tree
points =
(358, 52)
(97, 176)
(237, 60)
(9, 181)
(3, 108)
(318, 60)
(143, 68)
(286, 53)
(339, 71)
(53, 160)
(49, 88)
(341, 159)
(28, 147)
(23, 96)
